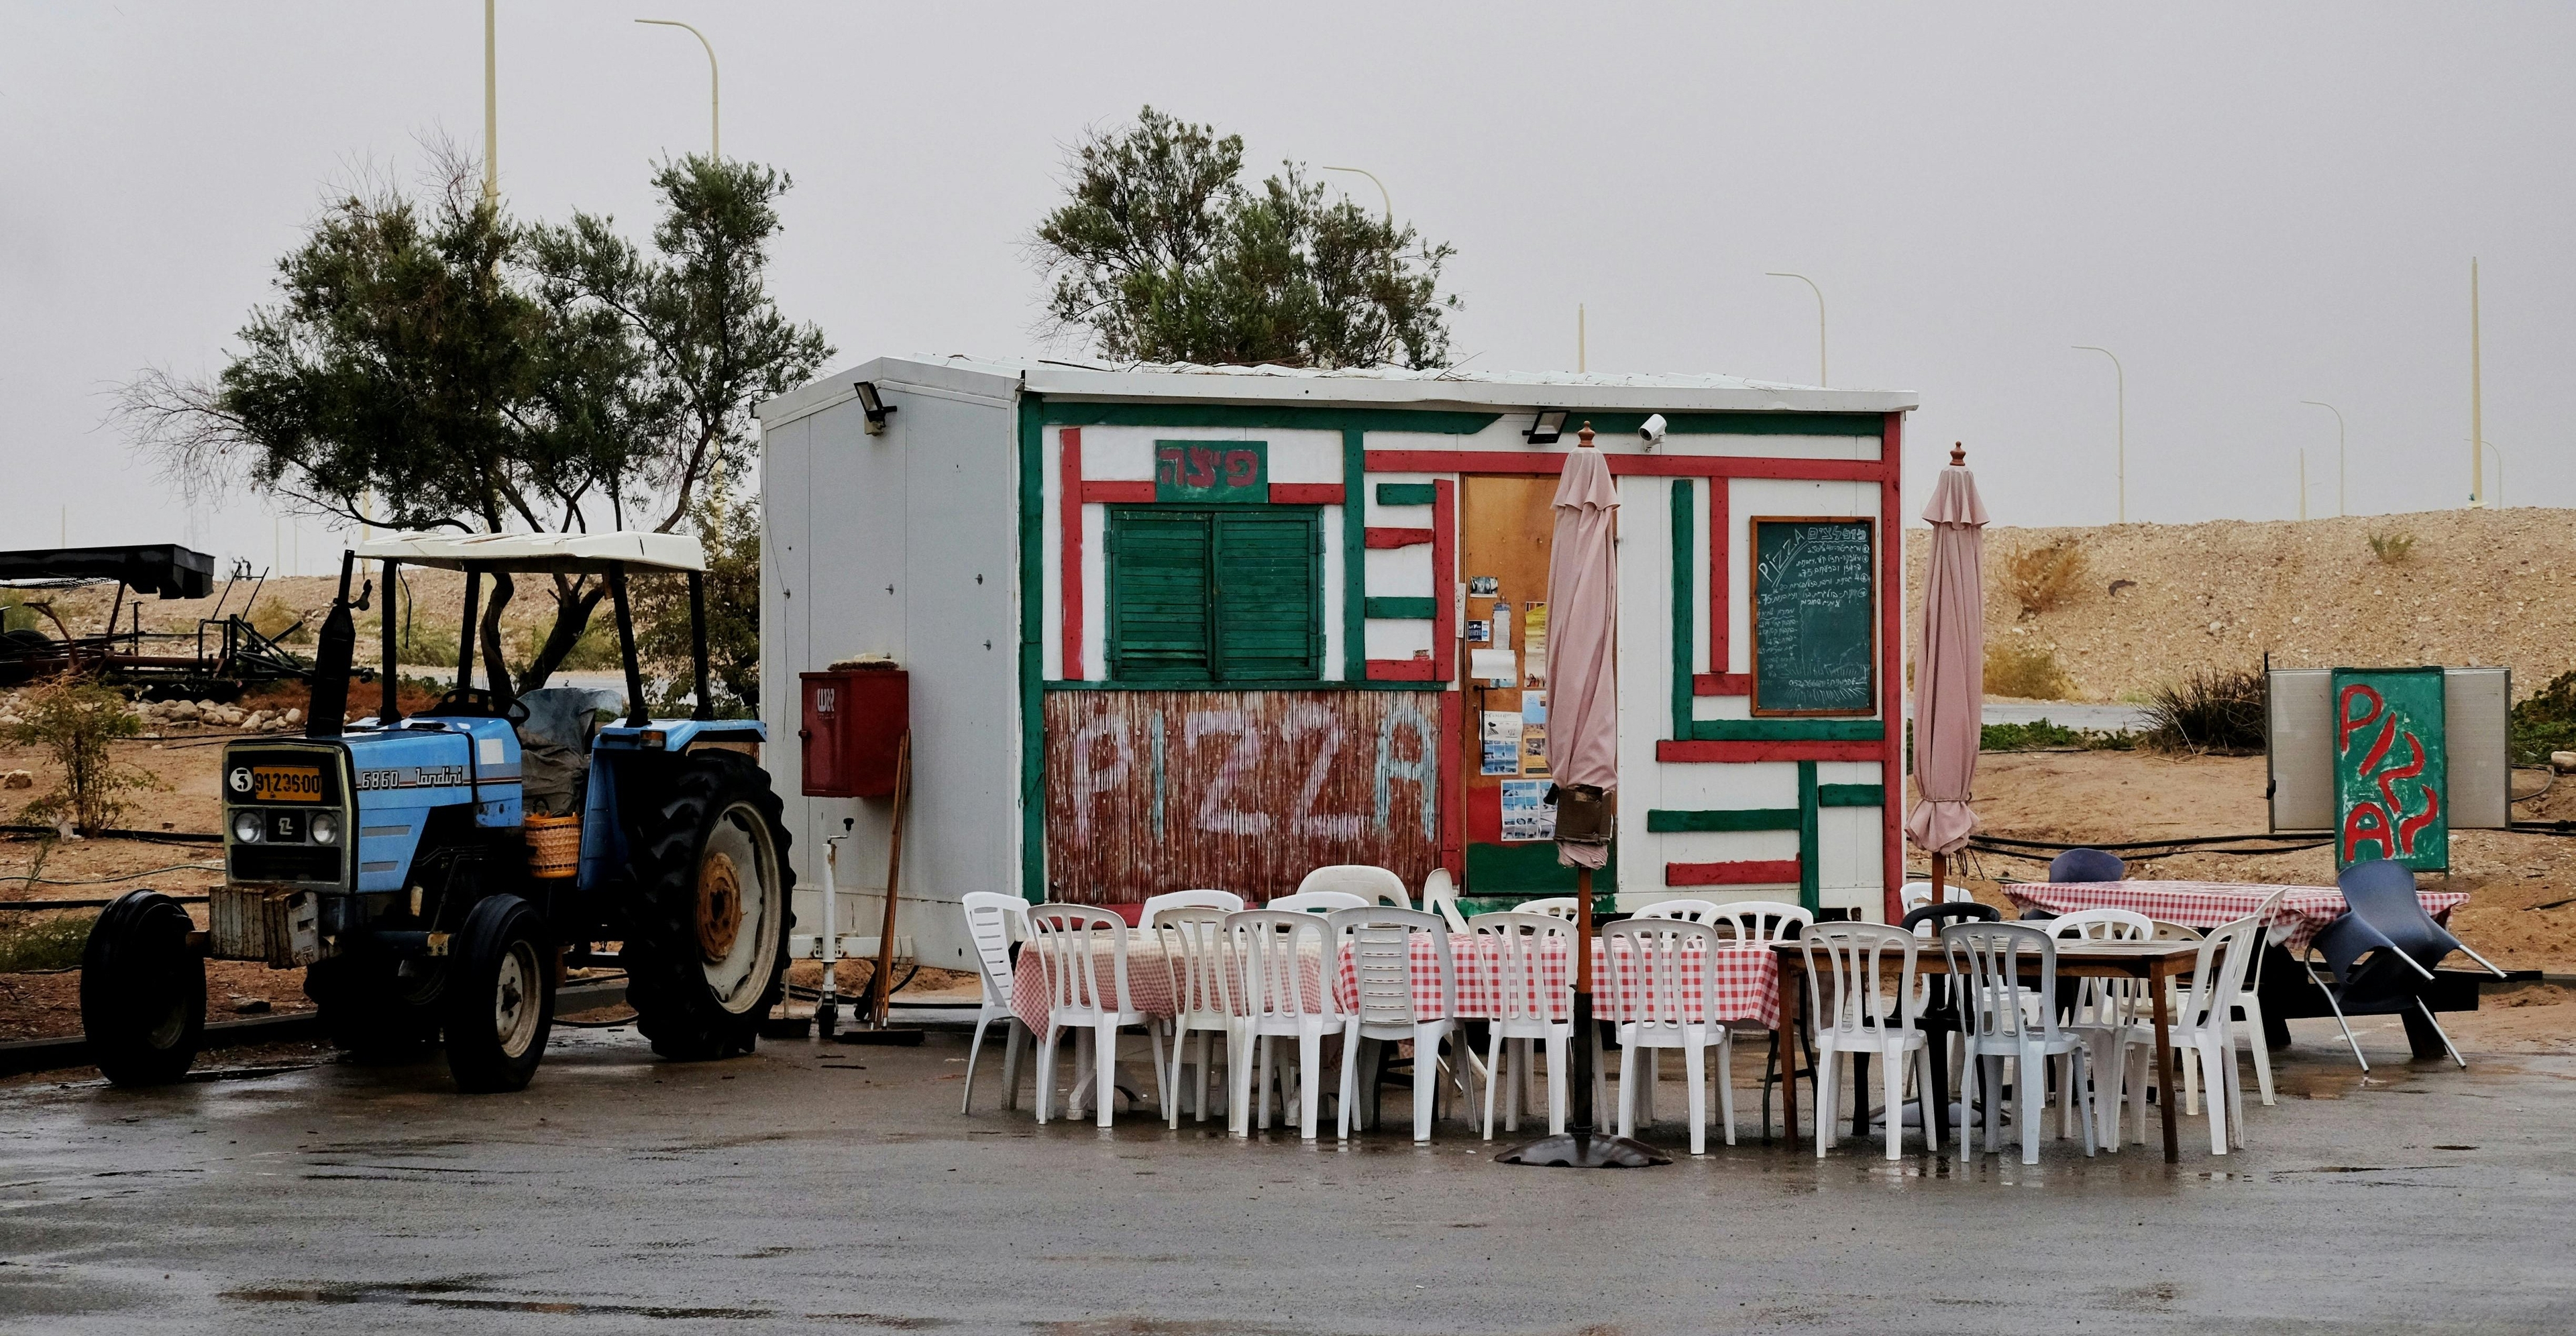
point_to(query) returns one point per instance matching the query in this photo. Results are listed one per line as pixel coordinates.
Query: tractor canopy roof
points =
(568, 553)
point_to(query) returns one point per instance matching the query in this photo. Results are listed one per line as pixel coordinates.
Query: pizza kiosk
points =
(1178, 627)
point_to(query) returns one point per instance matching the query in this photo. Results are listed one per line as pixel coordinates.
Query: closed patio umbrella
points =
(1949, 670)
(1583, 746)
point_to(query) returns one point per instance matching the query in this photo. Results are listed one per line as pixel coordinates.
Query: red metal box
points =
(853, 720)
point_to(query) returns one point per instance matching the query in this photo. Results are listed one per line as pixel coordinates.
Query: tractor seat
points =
(554, 746)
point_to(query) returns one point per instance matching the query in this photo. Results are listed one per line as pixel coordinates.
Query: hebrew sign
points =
(2391, 774)
(1212, 472)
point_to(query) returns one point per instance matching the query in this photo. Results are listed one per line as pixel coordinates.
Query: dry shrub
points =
(273, 619)
(2213, 710)
(2043, 577)
(75, 720)
(2393, 549)
(2025, 670)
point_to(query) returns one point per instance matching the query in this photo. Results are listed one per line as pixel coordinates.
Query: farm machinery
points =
(437, 874)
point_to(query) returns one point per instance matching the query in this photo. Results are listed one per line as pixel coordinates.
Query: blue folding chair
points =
(2086, 865)
(2382, 951)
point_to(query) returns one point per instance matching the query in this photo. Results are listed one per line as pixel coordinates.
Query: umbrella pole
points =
(1579, 1148)
(1940, 872)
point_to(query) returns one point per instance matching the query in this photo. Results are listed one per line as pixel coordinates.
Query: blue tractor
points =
(436, 875)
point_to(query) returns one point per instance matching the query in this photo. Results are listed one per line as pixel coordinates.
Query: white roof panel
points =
(540, 551)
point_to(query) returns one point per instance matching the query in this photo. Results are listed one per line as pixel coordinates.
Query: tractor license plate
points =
(286, 783)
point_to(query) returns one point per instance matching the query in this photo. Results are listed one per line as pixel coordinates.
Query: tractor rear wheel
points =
(143, 991)
(708, 945)
(499, 996)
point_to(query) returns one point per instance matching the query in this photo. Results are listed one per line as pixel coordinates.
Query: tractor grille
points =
(277, 862)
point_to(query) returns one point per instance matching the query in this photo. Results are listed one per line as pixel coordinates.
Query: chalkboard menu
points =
(1815, 642)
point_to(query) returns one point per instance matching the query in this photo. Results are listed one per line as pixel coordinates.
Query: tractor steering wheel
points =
(464, 700)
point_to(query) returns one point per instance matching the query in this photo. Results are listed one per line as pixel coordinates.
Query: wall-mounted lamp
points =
(876, 408)
(1545, 428)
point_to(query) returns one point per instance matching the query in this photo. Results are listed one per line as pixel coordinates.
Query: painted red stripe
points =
(1074, 493)
(1721, 684)
(1402, 670)
(1117, 493)
(1748, 872)
(1305, 494)
(1453, 845)
(1695, 751)
(1384, 537)
(1649, 466)
(1891, 670)
(1444, 579)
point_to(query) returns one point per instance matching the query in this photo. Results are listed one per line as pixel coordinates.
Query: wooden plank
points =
(1891, 641)
(1118, 493)
(1305, 494)
(1684, 502)
(1069, 520)
(1444, 580)
(1402, 670)
(1401, 609)
(1383, 537)
(1404, 494)
(1721, 630)
(1354, 557)
(1787, 730)
(1851, 795)
(1722, 684)
(1742, 872)
(1810, 889)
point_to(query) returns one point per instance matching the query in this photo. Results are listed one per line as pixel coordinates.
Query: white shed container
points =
(1190, 626)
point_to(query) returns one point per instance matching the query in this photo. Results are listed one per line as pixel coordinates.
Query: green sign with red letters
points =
(2392, 778)
(1212, 472)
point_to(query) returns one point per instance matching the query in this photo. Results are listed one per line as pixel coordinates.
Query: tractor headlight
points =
(326, 828)
(247, 827)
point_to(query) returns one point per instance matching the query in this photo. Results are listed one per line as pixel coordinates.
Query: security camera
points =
(1652, 431)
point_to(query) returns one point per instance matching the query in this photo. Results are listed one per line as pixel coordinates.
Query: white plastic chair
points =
(2249, 1003)
(992, 920)
(1526, 1011)
(1554, 906)
(1693, 911)
(1660, 950)
(1374, 885)
(1440, 895)
(1286, 959)
(1195, 950)
(1316, 902)
(1380, 942)
(1917, 894)
(1761, 922)
(2202, 1026)
(1155, 904)
(1074, 938)
(2109, 1014)
(1985, 964)
(1864, 1001)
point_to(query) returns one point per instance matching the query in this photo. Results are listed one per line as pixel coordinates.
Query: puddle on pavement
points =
(469, 1296)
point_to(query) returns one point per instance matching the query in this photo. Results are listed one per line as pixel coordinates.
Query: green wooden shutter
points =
(1160, 595)
(1269, 586)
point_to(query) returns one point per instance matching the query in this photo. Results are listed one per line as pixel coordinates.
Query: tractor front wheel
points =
(708, 946)
(499, 997)
(143, 991)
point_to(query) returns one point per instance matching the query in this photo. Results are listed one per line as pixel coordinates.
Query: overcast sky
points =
(2250, 205)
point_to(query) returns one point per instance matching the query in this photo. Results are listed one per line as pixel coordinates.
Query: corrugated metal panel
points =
(1245, 791)
(2475, 707)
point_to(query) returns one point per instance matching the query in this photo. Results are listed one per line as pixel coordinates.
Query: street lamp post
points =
(491, 111)
(2121, 380)
(2499, 459)
(1820, 318)
(2339, 465)
(715, 117)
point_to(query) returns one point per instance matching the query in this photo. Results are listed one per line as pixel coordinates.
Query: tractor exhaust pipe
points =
(337, 651)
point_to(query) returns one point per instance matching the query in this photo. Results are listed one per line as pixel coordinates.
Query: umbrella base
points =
(1584, 1150)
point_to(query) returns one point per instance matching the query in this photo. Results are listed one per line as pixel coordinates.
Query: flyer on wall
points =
(1526, 815)
(1534, 733)
(1502, 743)
(1534, 642)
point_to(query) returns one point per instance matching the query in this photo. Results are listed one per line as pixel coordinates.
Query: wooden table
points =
(2154, 962)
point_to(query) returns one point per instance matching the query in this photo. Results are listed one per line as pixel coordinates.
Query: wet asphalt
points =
(831, 1188)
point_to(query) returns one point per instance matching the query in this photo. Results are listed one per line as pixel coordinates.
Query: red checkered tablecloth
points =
(2208, 904)
(1748, 981)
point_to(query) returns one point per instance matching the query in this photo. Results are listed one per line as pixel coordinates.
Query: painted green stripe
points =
(1669, 822)
(1851, 795)
(1406, 493)
(1032, 660)
(1401, 609)
(1525, 869)
(1685, 495)
(1354, 554)
(1808, 889)
(1440, 422)
(1736, 424)
(1787, 730)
